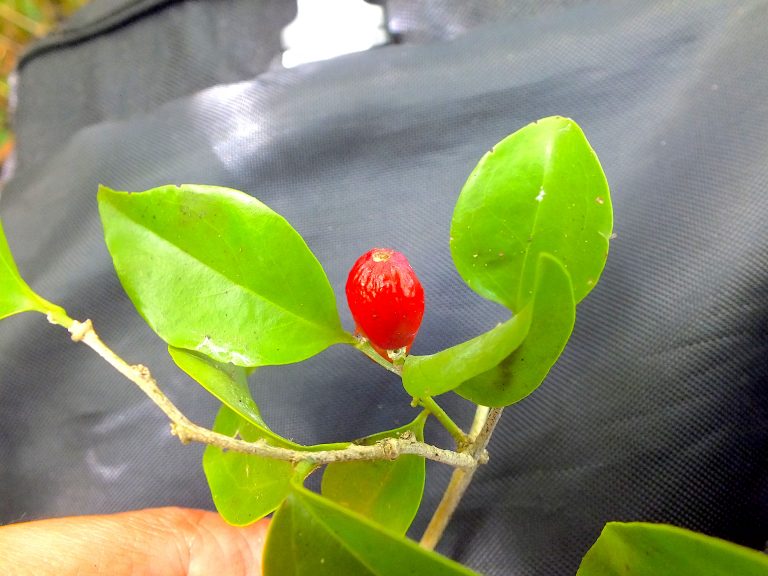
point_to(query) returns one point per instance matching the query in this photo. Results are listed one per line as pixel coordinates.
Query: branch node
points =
(142, 371)
(407, 436)
(78, 330)
(461, 478)
(390, 448)
(180, 432)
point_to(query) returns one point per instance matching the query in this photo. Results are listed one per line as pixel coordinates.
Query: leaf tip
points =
(102, 190)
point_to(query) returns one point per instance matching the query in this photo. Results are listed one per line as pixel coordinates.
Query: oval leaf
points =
(640, 549)
(520, 373)
(244, 487)
(15, 295)
(312, 536)
(438, 373)
(539, 190)
(386, 492)
(229, 384)
(214, 270)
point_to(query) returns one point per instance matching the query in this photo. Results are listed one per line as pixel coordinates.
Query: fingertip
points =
(241, 546)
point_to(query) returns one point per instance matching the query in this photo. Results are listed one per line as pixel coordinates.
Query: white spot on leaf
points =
(222, 354)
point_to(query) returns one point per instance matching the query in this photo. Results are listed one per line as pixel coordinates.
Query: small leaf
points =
(216, 271)
(519, 374)
(441, 372)
(244, 487)
(640, 549)
(15, 295)
(387, 492)
(227, 382)
(540, 189)
(312, 536)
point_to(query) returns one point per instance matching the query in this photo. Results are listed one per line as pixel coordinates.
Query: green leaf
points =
(540, 189)
(15, 295)
(387, 492)
(312, 536)
(441, 372)
(227, 382)
(640, 549)
(214, 270)
(521, 372)
(244, 487)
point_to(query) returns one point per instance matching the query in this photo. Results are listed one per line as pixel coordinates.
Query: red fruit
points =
(386, 299)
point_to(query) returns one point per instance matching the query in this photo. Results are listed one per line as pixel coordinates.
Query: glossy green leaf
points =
(15, 295)
(216, 271)
(245, 488)
(539, 190)
(441, 372)
(227, 382)
(387, 492)
(521, 372)
(640, 549)
(313, 536)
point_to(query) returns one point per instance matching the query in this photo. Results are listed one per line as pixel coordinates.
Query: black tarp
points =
(657, 409)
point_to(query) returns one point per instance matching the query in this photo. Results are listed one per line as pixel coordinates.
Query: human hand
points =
(153, 542)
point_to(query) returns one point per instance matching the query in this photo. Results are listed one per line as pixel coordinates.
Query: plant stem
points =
(481, 415)
(459, 480)
(188, 431)
(461, 439)
(458, 434)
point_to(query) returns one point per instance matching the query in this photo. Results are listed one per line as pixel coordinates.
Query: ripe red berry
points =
(386, 299)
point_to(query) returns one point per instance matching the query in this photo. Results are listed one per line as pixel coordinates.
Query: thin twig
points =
(481, 415)
(188, 431)
(459, 481)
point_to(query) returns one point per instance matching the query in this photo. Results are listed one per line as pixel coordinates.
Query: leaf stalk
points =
(458, 434)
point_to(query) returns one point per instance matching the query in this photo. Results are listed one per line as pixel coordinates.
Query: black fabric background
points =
(656, 410)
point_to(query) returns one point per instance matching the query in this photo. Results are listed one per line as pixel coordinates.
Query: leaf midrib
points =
(311, 511)
(246, 289)
(529, 245)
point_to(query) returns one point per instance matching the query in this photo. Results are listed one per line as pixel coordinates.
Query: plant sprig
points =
(231, 286)
(187, 431)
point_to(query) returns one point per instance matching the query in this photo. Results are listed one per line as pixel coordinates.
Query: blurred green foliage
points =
(23, 21)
